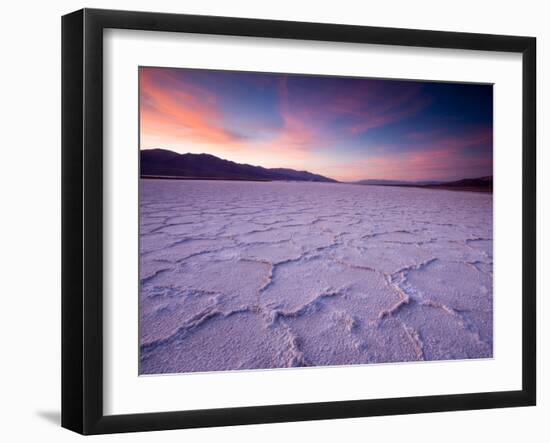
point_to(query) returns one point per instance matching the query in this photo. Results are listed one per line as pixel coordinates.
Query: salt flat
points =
(248, 275)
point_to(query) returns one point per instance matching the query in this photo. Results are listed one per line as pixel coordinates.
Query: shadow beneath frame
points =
(53, 417)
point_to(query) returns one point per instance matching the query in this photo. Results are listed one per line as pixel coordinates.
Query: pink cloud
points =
(296, 132)
(170, 108)
(374, 106)
(368, 105)
(436, 156)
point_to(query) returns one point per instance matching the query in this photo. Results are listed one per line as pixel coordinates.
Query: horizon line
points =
(311, 172)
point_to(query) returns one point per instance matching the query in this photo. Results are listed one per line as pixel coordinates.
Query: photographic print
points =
(292, 220)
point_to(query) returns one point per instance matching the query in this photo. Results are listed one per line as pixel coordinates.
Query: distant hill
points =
(395, 182)
(480, 184)
(162, 163)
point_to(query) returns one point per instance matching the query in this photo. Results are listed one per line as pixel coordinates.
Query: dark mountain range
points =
(162, 163)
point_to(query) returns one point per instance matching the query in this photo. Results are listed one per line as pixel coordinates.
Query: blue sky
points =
(342, 127)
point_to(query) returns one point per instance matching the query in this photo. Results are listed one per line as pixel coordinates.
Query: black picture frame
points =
(82, 218)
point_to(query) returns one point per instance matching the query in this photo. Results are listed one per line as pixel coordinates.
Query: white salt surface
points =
(249, 275)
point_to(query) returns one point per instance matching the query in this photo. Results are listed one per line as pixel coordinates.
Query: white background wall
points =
(30, 218)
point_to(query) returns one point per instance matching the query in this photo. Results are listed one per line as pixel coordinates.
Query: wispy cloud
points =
(434, 155)
(375, 105)
(172, 107)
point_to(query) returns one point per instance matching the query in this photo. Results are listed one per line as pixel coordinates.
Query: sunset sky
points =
(344, 128)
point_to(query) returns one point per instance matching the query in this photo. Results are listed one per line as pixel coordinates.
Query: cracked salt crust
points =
(254, 275)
